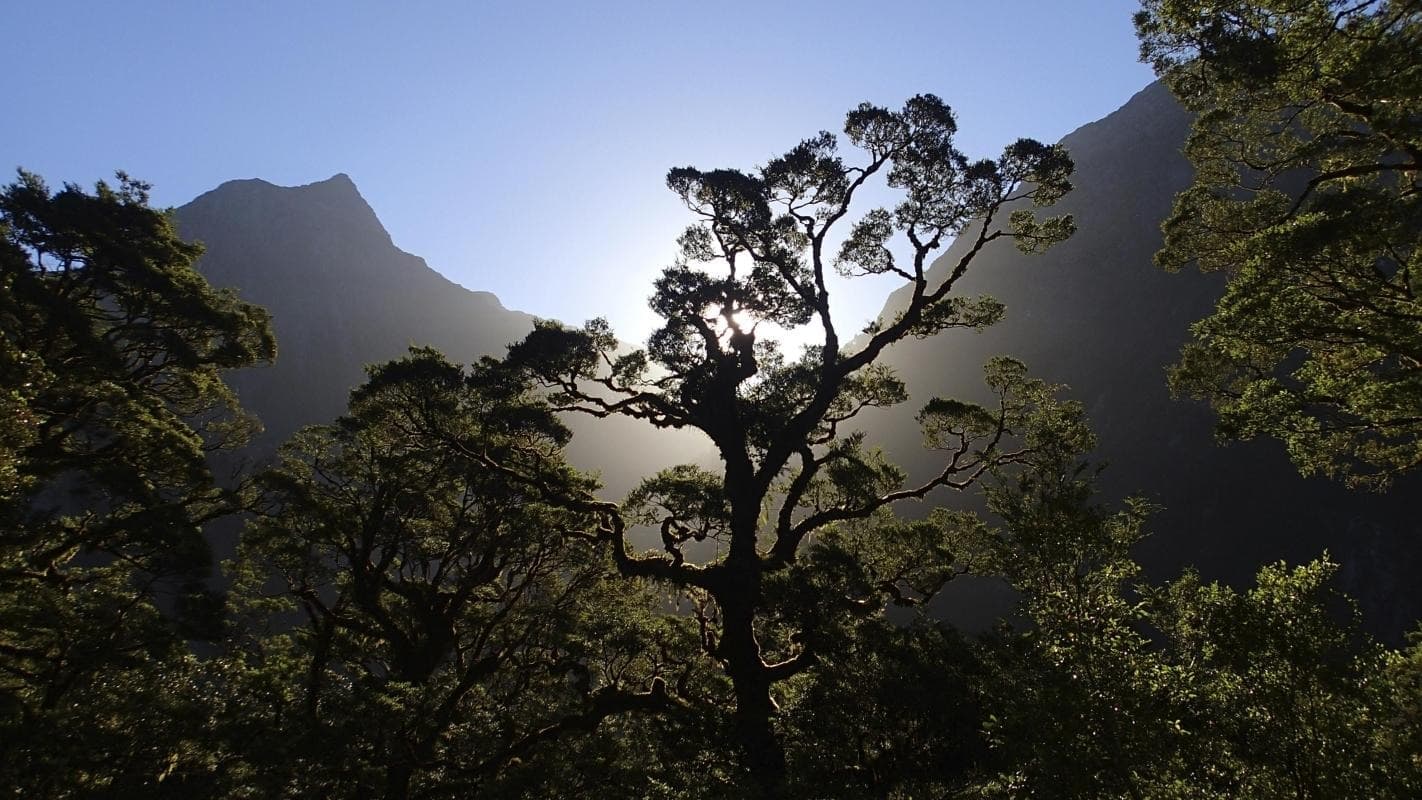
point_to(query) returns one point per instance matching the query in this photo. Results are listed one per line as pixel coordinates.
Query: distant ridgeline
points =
(1093, 313)
(1096, 314)
(342, 296)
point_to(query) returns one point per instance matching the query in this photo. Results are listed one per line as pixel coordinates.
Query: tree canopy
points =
(111, 349)
(1308, 150)
(429, 601)
(449, 622)
(792, 472)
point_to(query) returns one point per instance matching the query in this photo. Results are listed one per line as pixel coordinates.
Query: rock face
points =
(1096, 314)
(340, 293)
(342, 296)
(1093, 313)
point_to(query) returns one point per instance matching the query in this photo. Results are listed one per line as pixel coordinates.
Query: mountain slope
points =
(1096, 314)
(342, 296)
(340, 293)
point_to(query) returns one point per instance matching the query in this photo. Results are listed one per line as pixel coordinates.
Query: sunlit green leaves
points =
(1307, 155)
(111, 352)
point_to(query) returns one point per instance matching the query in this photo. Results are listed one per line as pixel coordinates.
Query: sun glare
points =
(791, 341)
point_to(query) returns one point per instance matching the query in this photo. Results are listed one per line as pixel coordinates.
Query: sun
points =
(740, 319)
(789, 340)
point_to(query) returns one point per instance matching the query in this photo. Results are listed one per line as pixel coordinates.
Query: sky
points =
(521, 147)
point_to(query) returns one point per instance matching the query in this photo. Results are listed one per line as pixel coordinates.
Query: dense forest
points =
(428, 600)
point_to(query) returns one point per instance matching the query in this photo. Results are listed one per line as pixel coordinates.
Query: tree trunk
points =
(397, 780)
(762, 752)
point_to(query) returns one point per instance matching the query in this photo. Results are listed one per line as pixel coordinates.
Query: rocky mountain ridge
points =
(342, 296)
(1094, 313)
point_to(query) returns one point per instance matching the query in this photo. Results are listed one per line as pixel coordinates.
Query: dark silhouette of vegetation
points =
(1118, 688)
(1308, 150)
(791, 471)
(111, 348)
(450, 622)
(428, 601)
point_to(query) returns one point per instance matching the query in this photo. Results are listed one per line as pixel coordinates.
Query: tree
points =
(1308, 151)
(111, 352)
(1073, 702)
(1121, 689)
(892, 712)
(790, 474)
(449, 625)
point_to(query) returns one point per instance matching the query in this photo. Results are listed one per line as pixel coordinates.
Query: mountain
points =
(1094, 313)
(342, 295)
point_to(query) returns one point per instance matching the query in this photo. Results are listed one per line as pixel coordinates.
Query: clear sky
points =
(520, 147)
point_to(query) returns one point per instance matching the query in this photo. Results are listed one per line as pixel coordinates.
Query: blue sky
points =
(521, 147)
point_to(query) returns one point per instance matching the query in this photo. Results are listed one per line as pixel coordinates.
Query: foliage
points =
(758, 255)
(451, 620)
(891, 713)
(1307, 147)
(1070, 707)
(1187, 690)
(111, 348)
(429, 602)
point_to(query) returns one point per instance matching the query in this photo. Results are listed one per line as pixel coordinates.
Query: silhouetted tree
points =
(449, 624)
(1308, 151)
(791, 472)
(1119, 689)
(111, 348)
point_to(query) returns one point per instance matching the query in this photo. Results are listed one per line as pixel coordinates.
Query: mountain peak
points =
(339, 184)
(333, 205)
(338, 181)
(340, 293)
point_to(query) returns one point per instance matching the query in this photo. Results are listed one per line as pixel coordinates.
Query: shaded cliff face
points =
(342, 296)
(340, 293)
(1096, 314)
